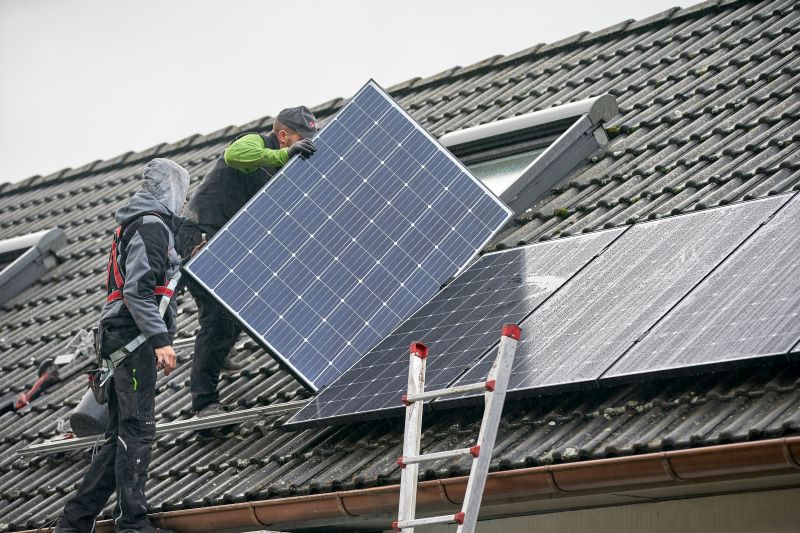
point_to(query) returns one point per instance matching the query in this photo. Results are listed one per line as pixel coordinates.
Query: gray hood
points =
(164, 187)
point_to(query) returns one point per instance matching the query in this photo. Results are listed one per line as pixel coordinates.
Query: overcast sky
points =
(90, 79)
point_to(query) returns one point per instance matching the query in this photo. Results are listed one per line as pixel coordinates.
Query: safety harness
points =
(115, 281)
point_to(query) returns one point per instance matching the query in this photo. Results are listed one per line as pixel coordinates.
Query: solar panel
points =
(459, 324)
(749, 308)
(576, 335)
(338, 249)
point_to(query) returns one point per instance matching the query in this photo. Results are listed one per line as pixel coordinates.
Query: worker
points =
(142, 259)
(246, 165)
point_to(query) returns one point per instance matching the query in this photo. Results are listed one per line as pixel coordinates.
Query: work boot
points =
(212, 409)
(217, 432)
(230, 366)
(62, 526)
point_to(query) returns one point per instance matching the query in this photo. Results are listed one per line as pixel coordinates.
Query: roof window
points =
(25, 258)
(521, 158)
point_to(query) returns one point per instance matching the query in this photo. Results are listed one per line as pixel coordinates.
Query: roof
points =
(709, 114)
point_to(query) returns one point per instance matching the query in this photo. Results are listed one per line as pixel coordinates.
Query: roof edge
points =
(670, 468)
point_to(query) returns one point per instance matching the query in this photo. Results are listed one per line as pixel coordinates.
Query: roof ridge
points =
(447, 76)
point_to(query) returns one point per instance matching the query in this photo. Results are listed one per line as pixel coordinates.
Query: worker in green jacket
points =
(247, 164)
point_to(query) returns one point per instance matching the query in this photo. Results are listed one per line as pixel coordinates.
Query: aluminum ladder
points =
(494, 396)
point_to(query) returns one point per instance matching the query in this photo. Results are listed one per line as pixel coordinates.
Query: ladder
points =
(494, 395)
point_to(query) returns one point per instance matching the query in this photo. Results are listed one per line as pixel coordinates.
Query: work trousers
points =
(122, 461)
(217, 335)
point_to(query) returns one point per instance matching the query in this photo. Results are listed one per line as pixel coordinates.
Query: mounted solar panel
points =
(458, 325)
(338, 249)
(589, 323)
(748, 309)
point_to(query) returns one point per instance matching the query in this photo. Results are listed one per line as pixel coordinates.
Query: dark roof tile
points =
(708, 115)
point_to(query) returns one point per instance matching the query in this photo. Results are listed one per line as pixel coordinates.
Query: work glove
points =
(303, 147)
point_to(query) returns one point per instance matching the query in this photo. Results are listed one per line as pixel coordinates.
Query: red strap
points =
(120, 281)
(163, 291)
(114, 295)
(158, 291)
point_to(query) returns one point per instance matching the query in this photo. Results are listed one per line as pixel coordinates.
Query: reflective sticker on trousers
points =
(135, 383)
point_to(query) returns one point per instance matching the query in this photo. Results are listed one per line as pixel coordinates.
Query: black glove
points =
(303, 147)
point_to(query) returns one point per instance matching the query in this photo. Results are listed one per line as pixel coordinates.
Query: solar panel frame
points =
(526, 381)
(459, 325)
(731, 284)
(445, 252)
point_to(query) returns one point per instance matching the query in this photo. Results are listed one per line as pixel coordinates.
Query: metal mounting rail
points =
(191, 424)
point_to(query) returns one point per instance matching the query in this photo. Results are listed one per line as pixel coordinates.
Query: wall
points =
(775, 511)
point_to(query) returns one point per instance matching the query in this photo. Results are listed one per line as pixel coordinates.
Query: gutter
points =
(671, 468)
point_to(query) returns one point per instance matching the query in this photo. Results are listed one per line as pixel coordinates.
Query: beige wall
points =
(776, 511)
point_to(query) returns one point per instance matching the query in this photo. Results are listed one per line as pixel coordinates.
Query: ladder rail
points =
(418, 354)
(494, 388)
(493, 411)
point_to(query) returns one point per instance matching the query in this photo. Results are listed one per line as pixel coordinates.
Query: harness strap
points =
(113, 360)
(160, 290)
(113, 259)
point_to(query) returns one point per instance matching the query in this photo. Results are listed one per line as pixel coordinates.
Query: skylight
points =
(499, 174)
(521, 158)
(25, 258)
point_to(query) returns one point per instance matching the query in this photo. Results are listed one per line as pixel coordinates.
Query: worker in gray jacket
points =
(141, 263)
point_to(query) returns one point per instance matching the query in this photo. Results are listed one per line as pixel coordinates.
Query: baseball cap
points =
(300, 119)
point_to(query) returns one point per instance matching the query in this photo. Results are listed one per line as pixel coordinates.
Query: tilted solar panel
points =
(590, 323)
(458, 325)
(749, 308)
(338, 249)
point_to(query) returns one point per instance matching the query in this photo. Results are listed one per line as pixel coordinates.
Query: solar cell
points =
(587, 325)
(339, 248)
(748, 308)
(458, 325)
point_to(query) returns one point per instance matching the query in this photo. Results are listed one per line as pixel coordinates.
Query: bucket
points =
(89, 418)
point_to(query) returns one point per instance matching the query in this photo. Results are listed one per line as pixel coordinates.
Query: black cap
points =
(300, 119)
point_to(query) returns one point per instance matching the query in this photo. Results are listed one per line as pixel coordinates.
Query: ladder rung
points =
(474, 451)
(408, 399)
(458, 518)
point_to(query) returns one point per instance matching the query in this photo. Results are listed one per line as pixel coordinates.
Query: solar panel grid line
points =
(459, 325)
(747, 310)
(605, 309)
(429, 202)
(346, 230)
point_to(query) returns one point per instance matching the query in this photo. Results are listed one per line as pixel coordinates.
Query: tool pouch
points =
(95, 331)
(99, 384)
(108, 338)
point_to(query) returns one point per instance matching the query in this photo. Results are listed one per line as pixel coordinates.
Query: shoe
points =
(216, 432)
(61, 527)
(230, 366)
(212, 409)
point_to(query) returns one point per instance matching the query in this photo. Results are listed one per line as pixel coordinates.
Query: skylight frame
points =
(33, 255)
(572, 134)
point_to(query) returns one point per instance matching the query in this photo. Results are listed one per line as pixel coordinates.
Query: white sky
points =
(90, 79)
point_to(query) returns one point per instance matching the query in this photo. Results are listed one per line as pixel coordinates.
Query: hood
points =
(164, 187)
